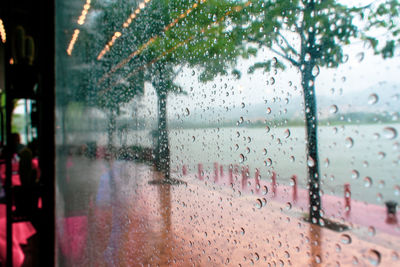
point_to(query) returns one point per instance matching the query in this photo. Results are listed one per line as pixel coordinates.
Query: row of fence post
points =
(219, 172)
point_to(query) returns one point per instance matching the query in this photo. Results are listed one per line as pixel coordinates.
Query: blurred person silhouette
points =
(23, 155)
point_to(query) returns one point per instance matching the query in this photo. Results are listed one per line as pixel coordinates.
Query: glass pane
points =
(227, 132)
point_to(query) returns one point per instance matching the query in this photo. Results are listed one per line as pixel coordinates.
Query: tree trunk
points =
(111, 127)
(308, 61)
(162, 148)
(312, 143)
(162, 152)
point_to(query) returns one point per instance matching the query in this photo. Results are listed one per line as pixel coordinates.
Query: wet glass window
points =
(227, 132)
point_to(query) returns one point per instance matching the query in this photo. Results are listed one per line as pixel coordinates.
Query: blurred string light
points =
(126, 24)
(2, 32)
(149, 42)
(236, 9)
(81, 21)
(85, 10)
(72, 42)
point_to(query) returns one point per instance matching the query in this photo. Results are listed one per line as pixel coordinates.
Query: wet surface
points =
(129, 222)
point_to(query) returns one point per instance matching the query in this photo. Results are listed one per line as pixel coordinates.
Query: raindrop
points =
(288, 206)
(243, 105)
(287, 133)
(349, 142)
(187, 112)
(360, 56)
(267, 129)
(193, 138)
(326, 162)
(315, 71)
(355, 174)
(242, 232)
(395, 256)
(269, 110)
(373, 99)
(268, 162)
(345, 239)
(265, 151)
(272, 80)
(389, 132)
(374, 257)
(371, 231)
(242, 158)
(318, 259)
(333, 109)
(259, 203)
(310, 162)
(264, 201)
(265, 190)
(397, 190)
(287, 255)
(381, 155)
(367, 181)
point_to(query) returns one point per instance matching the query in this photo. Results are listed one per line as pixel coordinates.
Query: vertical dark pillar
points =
(46, 129)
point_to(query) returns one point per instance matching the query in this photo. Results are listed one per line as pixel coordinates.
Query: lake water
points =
(366, 156)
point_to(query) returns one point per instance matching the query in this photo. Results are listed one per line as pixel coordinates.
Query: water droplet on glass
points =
(286, 133)
(360, 56)
(395, 256)
(265, 190)
(389, 132)
(326, 163)
(265, 151)
(315, 71)
(373, 99)
(193, 138)
(187, 112)
(288, 206)
(371, 231)
(242, 158)
(374, 257)
(345, 239)
(333, 109)
(367, 181)
(272, 80)
(269, 110)
(381, 155)
(267, 129)
(355, 174)
(310, 162)
(259, 203)
(242, 232)
(268, 162)
(243, 105)
(349, 142)
(318, 259)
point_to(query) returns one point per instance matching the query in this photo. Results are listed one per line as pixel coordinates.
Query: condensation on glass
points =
(238, 133)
